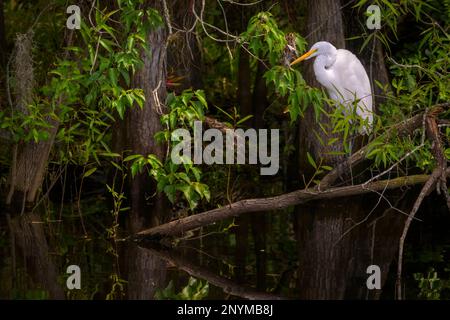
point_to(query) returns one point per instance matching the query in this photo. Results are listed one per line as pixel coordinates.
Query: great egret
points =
(344, 77)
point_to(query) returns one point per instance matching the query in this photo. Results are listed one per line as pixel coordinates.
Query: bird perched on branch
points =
(344, 77)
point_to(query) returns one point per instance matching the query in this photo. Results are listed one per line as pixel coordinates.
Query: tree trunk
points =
(324, 22)
(184, 56)
(258, 221)
(3, 48)
(318, 226)
(336, 238)
(28, 168)
(146, 272)
(336, 250)
(30, 159)
(244, 101)
(137, 131)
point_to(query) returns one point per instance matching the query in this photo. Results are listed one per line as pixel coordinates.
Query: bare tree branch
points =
(436, 181)
(274, 203)
(323, 191)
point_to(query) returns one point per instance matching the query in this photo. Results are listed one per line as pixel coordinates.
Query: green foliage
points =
(89, 87)
(184, 109)
(391, 11)
(267, 42)
(174, 179)
(430, 285)
(194, 290)
(264, 38)
(419, 80)
(117, 288)
(290, 84)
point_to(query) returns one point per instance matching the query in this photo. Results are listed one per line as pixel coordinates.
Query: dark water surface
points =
(234, 259)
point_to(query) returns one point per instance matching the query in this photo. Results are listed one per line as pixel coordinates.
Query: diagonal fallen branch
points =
(323, 191)
(275, 203)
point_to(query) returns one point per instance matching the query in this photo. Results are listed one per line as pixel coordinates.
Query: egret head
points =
(319, 48)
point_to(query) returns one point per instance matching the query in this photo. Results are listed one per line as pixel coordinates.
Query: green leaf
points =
(125, 76)
(244, 119)
(201, 97)
(110, 154)
(132, 157)
(112, 74)
(89, 172)
(106, 44)
(311, 160)
(135, 168)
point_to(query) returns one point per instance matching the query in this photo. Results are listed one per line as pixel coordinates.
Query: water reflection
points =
(33, 265)
(146, 272)
(248, 261)
(27, 262)
(182, 262)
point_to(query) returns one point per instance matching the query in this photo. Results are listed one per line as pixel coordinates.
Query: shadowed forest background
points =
(86, 177)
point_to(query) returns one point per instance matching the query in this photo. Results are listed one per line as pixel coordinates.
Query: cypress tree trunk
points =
(136, 132)
(28, 168)
(145, 272)
(337, 240)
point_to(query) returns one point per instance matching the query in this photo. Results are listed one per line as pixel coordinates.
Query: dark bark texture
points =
(339, 239)
(136, 133)
(324, 23)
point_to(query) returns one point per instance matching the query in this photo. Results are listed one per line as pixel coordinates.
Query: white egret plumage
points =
(344, 78)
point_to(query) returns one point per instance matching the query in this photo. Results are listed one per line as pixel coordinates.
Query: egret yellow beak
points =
(303, 57)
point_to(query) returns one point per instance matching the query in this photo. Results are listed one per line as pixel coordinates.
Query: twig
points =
(429, 72)
(243, 4)
(423, 193)
(402, 129)
(437, 179)
(167, 16)
(203, 23)
(394, 165)
(96, 54)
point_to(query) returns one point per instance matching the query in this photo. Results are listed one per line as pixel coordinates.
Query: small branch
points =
(407, 155)
(437, 180)
(216, 124)
(429, 185)
(274, 203)
(415, 66)
(167, 16)
(402, 129)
